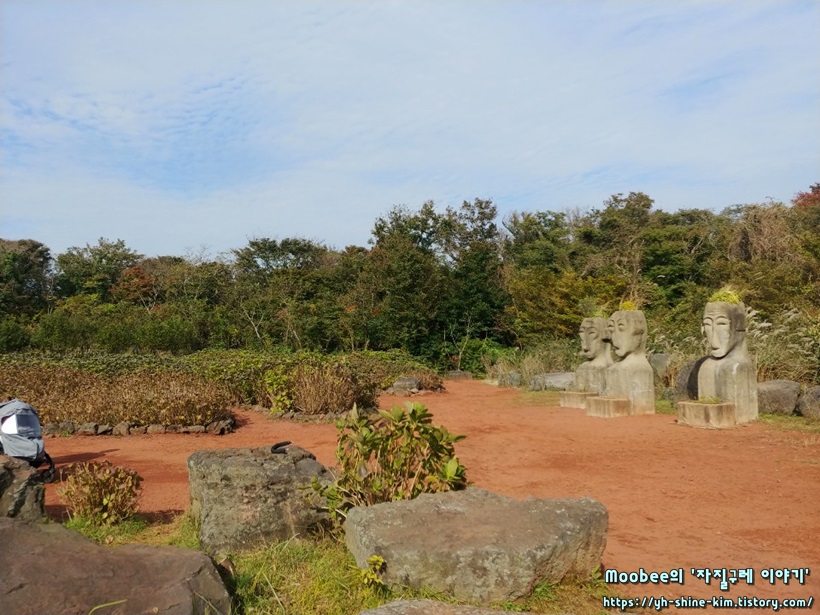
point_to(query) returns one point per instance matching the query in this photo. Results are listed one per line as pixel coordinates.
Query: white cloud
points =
(227, 120)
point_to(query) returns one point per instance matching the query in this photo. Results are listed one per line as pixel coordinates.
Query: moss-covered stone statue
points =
(728, 372)
(630, 376)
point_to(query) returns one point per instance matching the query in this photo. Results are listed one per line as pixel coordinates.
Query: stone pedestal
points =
(608, 407)
(634, 380)
(710, 416)
(733, 381)
(575, 399)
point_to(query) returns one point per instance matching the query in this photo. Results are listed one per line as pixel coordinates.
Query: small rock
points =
(509, 379)
(406, 385)
(87, 429)
(22, 492)
(138, 429)
(122, 429)
(152, 429)
(458, 374)
(552, 381)
(104, 430)
(67, 427)
(809, 403)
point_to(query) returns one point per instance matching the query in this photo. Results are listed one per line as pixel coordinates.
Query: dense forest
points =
(437, 284)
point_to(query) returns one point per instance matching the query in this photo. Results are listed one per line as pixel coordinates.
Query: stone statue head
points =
(724, 327)
(627, 332)
(594, 338)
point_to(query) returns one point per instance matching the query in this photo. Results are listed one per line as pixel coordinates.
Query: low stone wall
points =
(69, 428)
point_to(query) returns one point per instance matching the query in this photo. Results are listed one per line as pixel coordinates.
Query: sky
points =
(195, 125)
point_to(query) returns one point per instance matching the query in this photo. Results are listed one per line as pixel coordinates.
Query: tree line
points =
(429, 282)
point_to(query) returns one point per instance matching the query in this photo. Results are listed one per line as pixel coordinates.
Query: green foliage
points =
(383, 367)
(396, 454)
(371, 576)
(126, 531)
(24, 277)
(725, 295)
(100, 493)
(93, 270)
(300, 577)
(785, 347)
(13, 335)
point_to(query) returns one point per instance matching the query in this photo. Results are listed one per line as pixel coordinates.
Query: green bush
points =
(392, 455)
(100, 492)
(13, 335)
(383, 367)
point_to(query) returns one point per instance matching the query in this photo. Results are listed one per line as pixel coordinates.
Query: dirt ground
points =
(678, 497)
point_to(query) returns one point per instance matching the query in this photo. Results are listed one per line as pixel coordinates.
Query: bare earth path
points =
(677, 497)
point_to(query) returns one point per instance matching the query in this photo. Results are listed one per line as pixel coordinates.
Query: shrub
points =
(383, 367)
(329, 386)
(100, 492)
(142, 398)
(787, 347)
(550, 356)
(392, 455)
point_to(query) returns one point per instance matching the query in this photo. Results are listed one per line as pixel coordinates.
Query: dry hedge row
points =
(199, 389)
(61, 394)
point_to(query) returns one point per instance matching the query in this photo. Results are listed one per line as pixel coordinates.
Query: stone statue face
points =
(724, 327)
(593, 335)
(627, 332)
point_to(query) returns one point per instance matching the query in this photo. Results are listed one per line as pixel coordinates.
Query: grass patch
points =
(664, 406)
(791, 422)
(539, 398)
(300, 577)
(125, 532)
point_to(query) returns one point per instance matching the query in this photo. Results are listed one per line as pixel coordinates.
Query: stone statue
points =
(591, 375)
(631, 376)
(728, 372)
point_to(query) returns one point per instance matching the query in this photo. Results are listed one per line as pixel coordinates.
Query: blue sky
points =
(185, 124)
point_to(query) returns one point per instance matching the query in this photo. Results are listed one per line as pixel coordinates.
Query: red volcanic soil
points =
(678, 497)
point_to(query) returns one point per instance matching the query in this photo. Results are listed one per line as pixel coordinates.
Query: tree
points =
(93, 270)
(25, 277)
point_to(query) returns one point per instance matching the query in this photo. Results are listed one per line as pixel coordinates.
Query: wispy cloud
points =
(184, 123)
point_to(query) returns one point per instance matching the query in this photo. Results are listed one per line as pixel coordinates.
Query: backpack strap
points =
(47, 475)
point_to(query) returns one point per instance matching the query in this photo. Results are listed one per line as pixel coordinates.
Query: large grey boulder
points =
(553, 380)
(809, 403)
(428, 607)
(509, 379)
(686, 382)
(478, 546)
(405, 385)
(660, 364)
(48, 569)
(778, 396)
(248, 495)
(22, 492)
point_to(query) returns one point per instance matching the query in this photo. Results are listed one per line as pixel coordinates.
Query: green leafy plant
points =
(100, 492)
(371, 576)
(725, 295)
(393, 455)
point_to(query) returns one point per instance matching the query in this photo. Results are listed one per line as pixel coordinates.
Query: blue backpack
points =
(22, 437)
